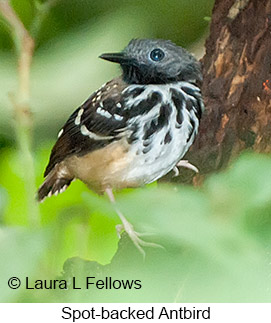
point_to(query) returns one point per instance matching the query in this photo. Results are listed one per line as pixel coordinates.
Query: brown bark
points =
(237, 85)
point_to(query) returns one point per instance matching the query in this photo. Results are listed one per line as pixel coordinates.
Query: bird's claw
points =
(186, 164)
(135, 237)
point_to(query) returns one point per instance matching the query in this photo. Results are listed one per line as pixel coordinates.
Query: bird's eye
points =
(157, 54)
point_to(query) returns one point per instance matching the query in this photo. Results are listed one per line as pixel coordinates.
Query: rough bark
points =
(237, 85)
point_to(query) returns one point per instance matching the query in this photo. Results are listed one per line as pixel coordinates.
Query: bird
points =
(134, 129)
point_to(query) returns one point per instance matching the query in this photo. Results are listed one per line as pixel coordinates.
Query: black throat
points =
(141, 75)
(135, 75)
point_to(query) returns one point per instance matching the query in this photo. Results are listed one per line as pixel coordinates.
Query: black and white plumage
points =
(135, 128)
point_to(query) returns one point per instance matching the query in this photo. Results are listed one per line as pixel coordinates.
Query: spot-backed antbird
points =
(135, 128)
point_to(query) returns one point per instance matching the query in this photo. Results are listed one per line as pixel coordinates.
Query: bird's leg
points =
(128, 227)
(186, 164)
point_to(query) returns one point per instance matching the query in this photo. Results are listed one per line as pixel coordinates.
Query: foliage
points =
(216, 239)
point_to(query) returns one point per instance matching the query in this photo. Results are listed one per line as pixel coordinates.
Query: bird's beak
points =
(120, 58)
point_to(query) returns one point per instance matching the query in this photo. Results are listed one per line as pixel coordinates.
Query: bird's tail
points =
(56, 182)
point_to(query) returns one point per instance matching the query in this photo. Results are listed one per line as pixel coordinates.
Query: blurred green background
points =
(216, 238)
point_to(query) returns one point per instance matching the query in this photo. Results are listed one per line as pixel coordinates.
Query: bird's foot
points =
(129, 229)
(135, 236)
(186, 164)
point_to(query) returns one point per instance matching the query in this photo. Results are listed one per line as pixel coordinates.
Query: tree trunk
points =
(237, 85)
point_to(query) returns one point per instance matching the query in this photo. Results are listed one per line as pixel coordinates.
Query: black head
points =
(156, 61)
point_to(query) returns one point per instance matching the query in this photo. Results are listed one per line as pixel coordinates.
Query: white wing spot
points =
(78, 118)
(103, 112)
(118, 117)
(118, 105)
(60, 133)
(92, 135)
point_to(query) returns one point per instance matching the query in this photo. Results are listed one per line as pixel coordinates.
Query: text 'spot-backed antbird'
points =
(135, 128)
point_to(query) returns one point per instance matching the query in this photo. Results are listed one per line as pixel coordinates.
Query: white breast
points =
(159, 157)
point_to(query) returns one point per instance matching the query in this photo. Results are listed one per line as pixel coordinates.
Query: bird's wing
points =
(99, 121)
